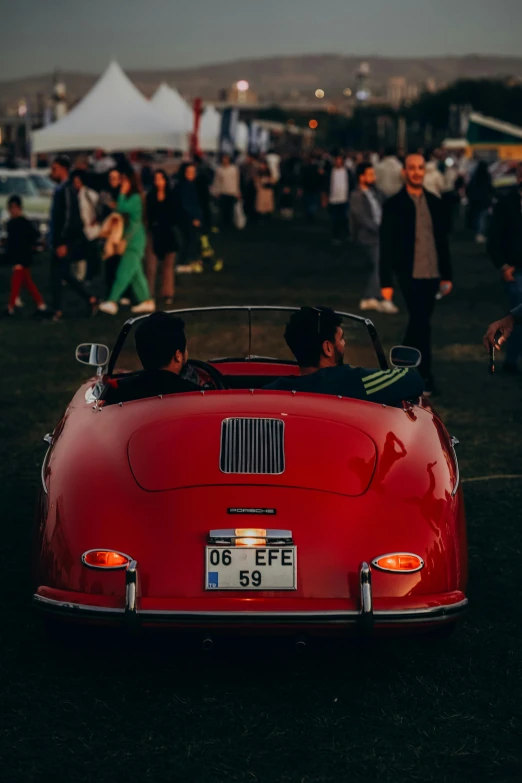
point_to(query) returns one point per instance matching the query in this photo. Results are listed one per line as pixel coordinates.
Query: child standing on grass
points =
(21, 238)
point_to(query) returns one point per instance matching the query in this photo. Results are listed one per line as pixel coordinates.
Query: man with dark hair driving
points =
(161, 345)
(316, 338)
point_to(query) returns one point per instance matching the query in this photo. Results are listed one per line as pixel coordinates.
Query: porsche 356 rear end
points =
(252, 509)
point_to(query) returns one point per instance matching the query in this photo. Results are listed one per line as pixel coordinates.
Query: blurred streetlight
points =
(313, 124)
(347, 92)
(242, 85)
(319, 93)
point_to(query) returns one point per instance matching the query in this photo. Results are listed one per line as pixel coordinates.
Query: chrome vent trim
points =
(252, 446)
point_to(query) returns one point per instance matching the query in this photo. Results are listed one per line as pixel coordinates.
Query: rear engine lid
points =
(292, 451)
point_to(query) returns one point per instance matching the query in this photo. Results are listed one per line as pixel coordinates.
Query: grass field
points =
(412, 710)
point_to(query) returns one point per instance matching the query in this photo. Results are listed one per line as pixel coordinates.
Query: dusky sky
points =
(40, 35)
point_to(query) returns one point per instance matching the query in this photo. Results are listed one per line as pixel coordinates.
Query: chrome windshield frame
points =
(249, 309)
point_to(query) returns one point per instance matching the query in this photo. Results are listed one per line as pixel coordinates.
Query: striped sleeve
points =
(392, 386)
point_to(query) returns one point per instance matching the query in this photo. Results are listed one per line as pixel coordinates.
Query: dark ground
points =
(409, 710)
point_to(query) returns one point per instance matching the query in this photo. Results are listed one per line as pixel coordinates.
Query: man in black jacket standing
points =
(505, 249)
(66, 236)
(414, 249)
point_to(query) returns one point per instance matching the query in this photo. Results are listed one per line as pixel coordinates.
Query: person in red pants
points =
(21, 238)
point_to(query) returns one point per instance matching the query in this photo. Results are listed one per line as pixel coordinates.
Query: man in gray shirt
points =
(365, 218)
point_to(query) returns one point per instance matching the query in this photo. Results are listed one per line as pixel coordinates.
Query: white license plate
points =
(250, 568)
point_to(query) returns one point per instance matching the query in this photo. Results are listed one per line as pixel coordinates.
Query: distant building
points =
(238, 97)
(396, 92)
(399, 90)
(363, 91)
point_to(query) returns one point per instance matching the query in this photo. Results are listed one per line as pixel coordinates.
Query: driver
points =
(316, 338)
(162, 349)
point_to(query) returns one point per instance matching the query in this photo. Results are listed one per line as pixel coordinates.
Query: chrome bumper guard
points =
(366, 618)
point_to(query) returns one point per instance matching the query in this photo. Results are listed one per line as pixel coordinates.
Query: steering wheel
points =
(215, 376)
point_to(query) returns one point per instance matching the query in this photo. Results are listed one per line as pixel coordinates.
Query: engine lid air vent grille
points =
(252, 446)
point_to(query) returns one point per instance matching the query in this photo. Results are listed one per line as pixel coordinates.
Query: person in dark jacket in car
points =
(161, 346)
(316, 338)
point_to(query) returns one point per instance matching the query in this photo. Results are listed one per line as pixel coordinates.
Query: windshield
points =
(248, 334)
(20, 186)
(42, 183)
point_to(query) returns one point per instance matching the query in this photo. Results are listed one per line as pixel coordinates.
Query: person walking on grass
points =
(366, 216)
(130, 269)
(337, 197)
(505, 250)
(107, 204)
(227, 189)
(66, 239)
(265, 191)
(189, 216)
(480, 193)
(163, 244)
(19, 244)
(414, 248)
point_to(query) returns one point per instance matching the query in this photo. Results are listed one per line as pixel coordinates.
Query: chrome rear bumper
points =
(365, 618)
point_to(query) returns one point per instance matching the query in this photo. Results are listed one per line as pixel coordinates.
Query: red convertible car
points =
(236, 507)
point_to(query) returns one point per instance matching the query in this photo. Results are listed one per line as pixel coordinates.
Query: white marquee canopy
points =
(210, 129)
(174, 110)
(114, 116)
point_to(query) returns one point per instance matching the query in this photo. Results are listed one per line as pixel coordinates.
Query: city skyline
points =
(160, 35)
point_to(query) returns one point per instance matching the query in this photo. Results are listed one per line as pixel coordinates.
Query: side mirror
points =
(404, 356)
(93, 354)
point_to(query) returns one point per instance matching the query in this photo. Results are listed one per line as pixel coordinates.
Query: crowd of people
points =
(120, 231)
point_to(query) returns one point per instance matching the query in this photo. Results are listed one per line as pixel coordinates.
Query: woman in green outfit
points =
(130, 269)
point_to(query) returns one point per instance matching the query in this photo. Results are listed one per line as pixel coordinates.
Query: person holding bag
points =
(132, 249)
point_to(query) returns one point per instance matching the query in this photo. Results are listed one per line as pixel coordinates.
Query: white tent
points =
(113, 116)
(210, 129)
(174, 110)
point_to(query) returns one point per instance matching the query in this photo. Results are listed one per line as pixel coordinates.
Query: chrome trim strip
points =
(106, 568)
(433, 614)
(68, 606)
(48, 438)
(131, 593)
(454, 442)
(431, 611)
(365, 582)
(391, 570)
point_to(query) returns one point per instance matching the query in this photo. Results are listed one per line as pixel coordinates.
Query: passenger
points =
(162, 349)
(316, 338)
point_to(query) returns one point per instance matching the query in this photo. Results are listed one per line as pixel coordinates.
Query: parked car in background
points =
(42, 181)
(36, 198)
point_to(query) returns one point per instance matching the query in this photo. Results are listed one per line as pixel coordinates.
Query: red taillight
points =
(105, 558)
(399, 562)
